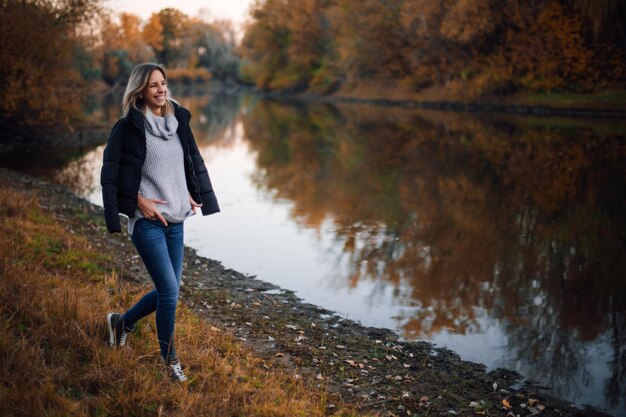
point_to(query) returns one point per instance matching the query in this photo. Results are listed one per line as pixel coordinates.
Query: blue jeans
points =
(161, 249)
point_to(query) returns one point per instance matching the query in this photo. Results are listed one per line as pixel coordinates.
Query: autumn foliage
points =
(39, 80)
(72, 45)
(196, 49)
(471, 48)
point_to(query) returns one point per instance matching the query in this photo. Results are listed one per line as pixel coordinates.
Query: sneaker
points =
(175, 371)
(117, 333)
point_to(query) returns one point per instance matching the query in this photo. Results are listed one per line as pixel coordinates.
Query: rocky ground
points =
(361, 365)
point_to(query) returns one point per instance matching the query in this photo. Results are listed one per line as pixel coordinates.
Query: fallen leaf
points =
(506, 404)
(215, 329)
(350, 362)
(532, 402)
(541, 407)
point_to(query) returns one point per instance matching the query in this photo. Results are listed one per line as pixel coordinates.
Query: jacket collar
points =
(137, 117)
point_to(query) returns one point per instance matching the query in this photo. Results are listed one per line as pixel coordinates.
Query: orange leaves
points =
(153, 33)
(38, 79)
(468, 19)
(472, 46)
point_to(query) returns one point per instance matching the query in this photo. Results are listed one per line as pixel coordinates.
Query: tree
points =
(40, 81)
(164, 32)
(122, 47)
(214, 47)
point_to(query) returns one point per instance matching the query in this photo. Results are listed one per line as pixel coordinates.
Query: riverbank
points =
(368, 368)
(59, 280)
(535, 105)
(19, 138)
(610, 104)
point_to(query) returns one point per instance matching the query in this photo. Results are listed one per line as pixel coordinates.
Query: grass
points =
(604, 99)
(55, 292)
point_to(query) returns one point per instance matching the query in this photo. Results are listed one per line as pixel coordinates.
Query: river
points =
(501, 237)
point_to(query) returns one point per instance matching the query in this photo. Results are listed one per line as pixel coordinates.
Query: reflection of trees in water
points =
(523, 223)
(82, 175)
(213, 118)
(615, 388)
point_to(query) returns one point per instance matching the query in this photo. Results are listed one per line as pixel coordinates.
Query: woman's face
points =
(154, 93)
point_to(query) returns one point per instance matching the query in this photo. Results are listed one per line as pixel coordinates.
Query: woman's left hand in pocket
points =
(194, 205)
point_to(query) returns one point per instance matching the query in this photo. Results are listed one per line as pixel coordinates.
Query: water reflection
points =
(524, 224)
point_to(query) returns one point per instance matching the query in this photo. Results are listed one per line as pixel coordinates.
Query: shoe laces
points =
(176, 371)
(123, 337)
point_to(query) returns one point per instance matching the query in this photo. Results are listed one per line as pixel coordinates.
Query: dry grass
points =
(54, 354)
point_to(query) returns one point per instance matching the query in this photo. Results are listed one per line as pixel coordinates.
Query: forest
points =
(461, 48)
(418, 49)
(77, 47)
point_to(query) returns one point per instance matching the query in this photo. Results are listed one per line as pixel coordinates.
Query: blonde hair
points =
(137, 81)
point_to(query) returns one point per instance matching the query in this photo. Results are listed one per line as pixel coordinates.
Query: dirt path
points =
(365, 366)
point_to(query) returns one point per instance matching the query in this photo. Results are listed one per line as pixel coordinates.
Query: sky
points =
(235, 10)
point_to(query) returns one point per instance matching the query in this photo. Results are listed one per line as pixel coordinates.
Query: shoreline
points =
(365, 366)
(492, 105)
(449, 105)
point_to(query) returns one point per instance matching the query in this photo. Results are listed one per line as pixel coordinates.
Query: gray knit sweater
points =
(163, 172)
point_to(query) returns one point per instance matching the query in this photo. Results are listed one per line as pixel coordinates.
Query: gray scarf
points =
(164, 128)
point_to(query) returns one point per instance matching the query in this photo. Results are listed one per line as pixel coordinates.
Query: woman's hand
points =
(149, 209)
(194, 205)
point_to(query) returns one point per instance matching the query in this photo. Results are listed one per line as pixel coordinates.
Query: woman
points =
(154, 174)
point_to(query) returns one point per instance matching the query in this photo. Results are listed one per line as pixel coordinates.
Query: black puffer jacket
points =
(124, 156)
